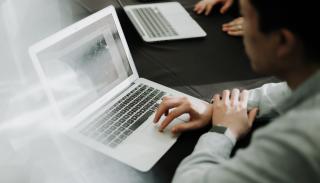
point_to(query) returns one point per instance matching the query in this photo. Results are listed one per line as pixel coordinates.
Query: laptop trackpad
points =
(148, 145)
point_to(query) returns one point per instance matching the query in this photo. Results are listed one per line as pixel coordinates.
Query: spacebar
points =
(140, 120)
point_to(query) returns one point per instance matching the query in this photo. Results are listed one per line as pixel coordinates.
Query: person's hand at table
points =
(173, 107)
(234, 28)
(230, 110)
(207, 5)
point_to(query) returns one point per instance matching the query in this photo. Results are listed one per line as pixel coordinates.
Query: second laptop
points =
(163, 21)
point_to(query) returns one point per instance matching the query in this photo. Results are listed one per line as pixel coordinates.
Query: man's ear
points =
(287, 43)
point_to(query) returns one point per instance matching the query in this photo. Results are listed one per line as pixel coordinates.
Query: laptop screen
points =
(85, 66)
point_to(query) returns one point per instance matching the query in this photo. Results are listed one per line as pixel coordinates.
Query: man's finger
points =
(192, 125)
(226, 96)
(165, 106)
(235, 97)
(171, 116)
(216, 98)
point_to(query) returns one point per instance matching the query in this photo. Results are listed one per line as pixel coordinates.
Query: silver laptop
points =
(91, 81)
(163, 21)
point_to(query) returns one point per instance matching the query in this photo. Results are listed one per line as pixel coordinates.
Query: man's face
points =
(260, 47)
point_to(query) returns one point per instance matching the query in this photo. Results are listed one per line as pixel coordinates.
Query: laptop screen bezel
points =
(64, 33)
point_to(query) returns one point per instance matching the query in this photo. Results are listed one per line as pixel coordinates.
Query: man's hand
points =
(230, 111)
(207, 5)
(200, 113)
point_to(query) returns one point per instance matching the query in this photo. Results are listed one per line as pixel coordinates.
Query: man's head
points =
(277, 36)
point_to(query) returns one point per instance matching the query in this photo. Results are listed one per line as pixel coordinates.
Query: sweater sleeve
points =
(267, 97)
(281, 152)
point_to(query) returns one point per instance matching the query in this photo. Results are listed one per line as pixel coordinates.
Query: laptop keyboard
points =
(125, 116)
(153, 22)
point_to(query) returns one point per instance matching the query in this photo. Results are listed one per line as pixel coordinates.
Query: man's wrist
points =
(225, 131)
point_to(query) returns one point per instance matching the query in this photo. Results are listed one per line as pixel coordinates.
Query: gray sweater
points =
(287, 150)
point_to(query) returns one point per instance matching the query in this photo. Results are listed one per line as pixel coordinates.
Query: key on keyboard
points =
(125, 116)
(154, 22)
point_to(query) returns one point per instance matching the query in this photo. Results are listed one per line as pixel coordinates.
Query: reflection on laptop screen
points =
(84, 66)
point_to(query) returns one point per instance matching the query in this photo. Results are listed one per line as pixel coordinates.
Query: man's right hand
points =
(207, 5)
(200, 113)
(231, 111)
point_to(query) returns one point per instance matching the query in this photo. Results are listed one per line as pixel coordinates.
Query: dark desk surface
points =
(192, 66)
(198, 67)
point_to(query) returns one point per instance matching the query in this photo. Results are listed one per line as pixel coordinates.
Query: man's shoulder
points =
(310, 104)
(299, 126)
(307, 110)
(303, 116)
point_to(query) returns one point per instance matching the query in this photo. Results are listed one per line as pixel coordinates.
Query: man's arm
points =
(276, 154)
(211, 150)
(267, 97)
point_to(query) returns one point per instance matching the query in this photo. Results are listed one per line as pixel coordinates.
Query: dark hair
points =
(293, 15)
